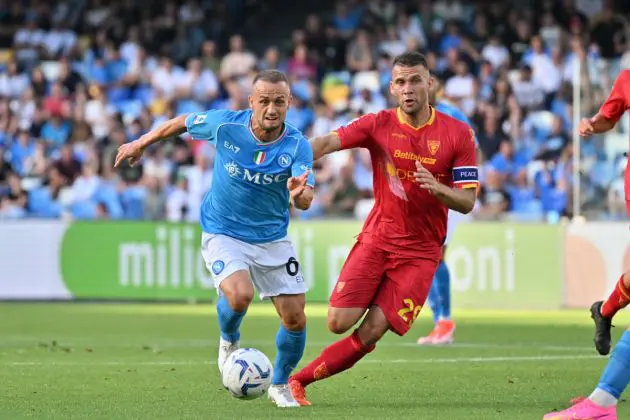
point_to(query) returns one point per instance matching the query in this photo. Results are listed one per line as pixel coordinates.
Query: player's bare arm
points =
(460, 200)
(300, 193)
(133, 151)
(595, 125)
(324, 145)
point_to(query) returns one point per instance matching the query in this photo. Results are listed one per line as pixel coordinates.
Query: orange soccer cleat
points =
(298, 391)
(443, 333)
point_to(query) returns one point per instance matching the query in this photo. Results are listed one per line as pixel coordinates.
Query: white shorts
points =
(454, 219)
(273, 267)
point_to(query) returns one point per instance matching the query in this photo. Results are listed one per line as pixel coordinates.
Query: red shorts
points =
(397, 284)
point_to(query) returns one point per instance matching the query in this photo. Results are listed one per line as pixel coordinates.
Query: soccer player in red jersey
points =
(424, 162)
(602, 403)
(610, 112)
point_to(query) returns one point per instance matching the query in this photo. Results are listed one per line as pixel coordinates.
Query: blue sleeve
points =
(203, 125)
(304, 161)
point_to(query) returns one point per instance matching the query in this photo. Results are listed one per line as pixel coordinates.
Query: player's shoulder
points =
(624, 75)
(386, 116)
(454, 128)
(444, 120)
(238, 117)
(294, 138)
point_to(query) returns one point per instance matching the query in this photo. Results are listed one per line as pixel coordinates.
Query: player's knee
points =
(240, 299)
(338, 325)
(294, 320)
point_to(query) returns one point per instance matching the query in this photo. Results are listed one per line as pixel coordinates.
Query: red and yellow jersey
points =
(407, 219)
(618, 101)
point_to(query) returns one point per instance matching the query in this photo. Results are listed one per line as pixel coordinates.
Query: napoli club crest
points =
(284, 160)
(217, 267)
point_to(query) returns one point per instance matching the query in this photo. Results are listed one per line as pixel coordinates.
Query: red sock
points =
(334, 359)
(619, 298)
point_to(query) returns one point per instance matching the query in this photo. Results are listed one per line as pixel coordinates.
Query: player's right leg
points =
(228, 261)
(602, 403)
(236, 294)
(603, 312)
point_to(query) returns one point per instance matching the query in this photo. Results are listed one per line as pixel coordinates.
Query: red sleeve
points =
(617, 102)
(465, 172)
(358, 133)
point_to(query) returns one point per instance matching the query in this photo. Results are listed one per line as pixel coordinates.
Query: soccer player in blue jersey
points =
(262, 165)
(440, 293)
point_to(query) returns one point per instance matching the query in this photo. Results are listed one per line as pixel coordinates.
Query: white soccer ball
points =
(247, 374)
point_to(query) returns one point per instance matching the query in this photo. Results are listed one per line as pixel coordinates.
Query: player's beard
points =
(268, 125)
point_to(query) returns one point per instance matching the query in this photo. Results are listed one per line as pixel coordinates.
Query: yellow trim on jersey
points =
(402, 120)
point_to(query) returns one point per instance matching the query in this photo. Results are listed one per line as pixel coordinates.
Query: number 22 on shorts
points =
(410, 308)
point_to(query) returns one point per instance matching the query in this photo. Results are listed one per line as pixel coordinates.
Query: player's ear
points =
(290, 101)
(250, 99)
(391, 88)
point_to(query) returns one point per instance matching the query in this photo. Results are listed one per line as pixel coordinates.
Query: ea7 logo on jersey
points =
(231, 147)
(199, 119)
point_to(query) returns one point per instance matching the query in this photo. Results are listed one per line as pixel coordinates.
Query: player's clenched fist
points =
(586, 127)
(132, 151)
(426, 179)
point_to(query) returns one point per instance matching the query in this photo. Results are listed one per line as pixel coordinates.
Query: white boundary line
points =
(560, 357)
(201, 343)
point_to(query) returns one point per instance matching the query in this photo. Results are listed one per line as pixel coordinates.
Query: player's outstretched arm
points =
(324, 145)
(133, 151)
(461, 200)
(595, 125)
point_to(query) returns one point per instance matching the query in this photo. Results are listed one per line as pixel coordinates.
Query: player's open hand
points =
(131, 151)
(586, 127)
(297, 184)
(426, 179)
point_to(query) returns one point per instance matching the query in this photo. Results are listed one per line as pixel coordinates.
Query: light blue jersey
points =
(249, 199)
(451, 110)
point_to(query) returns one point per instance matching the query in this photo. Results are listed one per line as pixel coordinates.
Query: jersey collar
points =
(402, 120)
(267, 143)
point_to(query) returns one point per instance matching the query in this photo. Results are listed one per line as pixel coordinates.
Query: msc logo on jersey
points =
(257, 178)
(284, 160)
(434, 146)
(232, 169)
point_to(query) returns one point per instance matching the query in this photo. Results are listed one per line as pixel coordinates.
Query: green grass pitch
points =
(128, 361)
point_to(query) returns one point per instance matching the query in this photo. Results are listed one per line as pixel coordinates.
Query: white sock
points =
(602, 398)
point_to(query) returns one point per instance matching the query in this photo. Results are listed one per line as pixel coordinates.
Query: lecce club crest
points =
(434, 146)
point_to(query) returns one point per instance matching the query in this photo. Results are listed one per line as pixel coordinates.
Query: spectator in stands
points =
(238, 62)
(83, 80)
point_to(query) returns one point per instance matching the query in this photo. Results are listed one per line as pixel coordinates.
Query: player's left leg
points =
(290, 343)
(277, 275)
(603, 312)
(341, 355)
(602, 403)
(396, 305)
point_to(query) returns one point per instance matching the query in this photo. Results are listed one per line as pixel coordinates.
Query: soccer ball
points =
(247, 374)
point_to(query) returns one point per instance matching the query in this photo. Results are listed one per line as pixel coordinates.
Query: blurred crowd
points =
(78, 78)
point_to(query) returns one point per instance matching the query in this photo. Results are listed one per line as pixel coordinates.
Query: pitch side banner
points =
(492, 265)
(596, 255)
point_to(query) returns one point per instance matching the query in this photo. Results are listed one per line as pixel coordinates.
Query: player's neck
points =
(264, 135)
(418, 119)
